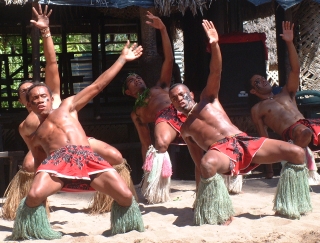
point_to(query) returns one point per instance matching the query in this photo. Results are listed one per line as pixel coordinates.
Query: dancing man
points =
(153, 105)
(231, 151)
(280, 112)
(63, 158)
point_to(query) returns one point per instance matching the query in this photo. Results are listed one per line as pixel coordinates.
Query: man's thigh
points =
(45, 185)
(165, 132)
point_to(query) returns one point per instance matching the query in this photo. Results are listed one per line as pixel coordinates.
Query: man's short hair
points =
(124, 82)
(37, 84)
(23, 82)
(178, 84)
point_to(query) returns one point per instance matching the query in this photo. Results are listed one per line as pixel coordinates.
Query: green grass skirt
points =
(292, 198)
(213, 204)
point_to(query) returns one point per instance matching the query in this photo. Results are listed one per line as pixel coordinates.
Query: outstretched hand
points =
(42, 18)
(210, 31)
(287, 31)
(155, 22)
(131, 53)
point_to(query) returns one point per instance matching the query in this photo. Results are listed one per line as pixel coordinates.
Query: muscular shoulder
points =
(29, 125)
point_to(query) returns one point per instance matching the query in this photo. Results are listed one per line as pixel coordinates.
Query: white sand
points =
(172, 222)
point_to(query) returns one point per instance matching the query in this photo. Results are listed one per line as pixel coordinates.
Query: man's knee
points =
(114, 157)
(208, 166)
(303, 137)
(126, 197)
(298, 155)
(28, 166)
(34, 197)
(162, 144)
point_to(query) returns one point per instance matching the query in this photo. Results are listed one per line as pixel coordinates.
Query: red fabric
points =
(233, 38)
(313, 124)
(240, 148)
(75, 163)
(174, 118)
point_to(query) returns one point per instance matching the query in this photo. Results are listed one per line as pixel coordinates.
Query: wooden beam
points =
(35, 47)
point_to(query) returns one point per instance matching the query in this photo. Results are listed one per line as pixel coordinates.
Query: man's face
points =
(260, 84)
(40, 101)
(23, 92)
(135, 84)
(181, 98)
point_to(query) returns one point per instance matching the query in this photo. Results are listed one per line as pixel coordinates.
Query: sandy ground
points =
(171, 222)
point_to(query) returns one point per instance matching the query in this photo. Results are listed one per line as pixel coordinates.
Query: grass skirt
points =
(292, 197)
(125, 219)
(32, 223)
(155, 185)
(233, 183)
(213, 204)
(17, 189)
(101, 203)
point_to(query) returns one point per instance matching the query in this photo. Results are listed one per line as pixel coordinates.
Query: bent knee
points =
(34, 196)
(162, 145)
(115, 158)
(298, 155)
(208, 167)
(126, 198)
(303, 137)
(28, 165)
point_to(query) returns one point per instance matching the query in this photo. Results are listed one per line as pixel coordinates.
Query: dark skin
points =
(60, 127)
(52, 79)
(208, 122)
(157, 100)
(280, 111)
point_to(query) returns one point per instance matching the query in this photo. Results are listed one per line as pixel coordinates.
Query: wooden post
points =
(150, 60)
(281, 47)
(94, 21)
(35, 35)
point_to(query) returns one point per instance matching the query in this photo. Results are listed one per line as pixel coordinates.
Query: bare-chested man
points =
(154, 106)
(63, 156)
(280, 112)
(25, 176)
(228, 149)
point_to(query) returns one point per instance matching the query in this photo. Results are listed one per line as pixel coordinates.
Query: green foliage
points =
(76, 43)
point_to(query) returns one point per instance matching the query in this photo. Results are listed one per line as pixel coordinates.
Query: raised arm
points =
(167, 65)
(258, 122)
(293, 81)
(52, 78)
(79, 100)
(144, 134)
(213, 83)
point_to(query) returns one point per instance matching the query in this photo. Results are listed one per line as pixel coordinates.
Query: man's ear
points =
(127, 92)
(253, 91)
(192, 95)
(28, 105)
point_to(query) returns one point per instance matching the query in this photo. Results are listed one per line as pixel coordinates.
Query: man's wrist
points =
(45, 33)
(122, 60)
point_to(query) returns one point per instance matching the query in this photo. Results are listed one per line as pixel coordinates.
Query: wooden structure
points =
(78, 68)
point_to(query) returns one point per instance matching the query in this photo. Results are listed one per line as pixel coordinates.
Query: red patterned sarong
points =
(75, 165)
(174, 118)
(240, 149)
(313, 124)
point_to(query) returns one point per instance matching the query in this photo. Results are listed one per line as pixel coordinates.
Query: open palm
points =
(287, 31)
(210, 31)
(42, 18)
(133, 52)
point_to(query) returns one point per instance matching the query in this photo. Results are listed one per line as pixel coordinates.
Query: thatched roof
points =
(265, 25)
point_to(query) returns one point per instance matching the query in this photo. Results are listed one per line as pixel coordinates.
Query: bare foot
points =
(228, 222)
